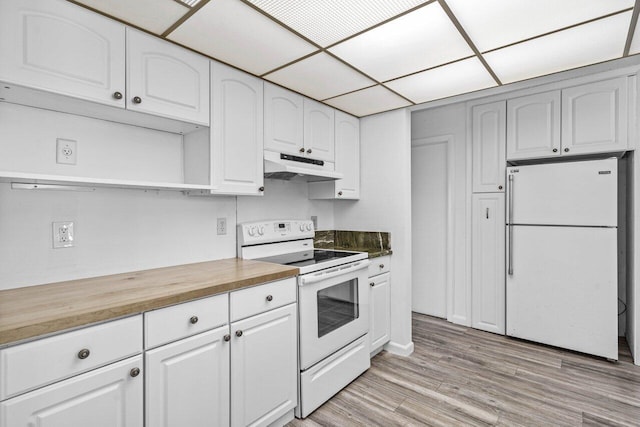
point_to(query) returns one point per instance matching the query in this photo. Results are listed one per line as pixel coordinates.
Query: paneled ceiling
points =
(369, 56)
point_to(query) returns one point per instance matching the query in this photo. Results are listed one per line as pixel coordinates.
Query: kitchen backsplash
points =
(376, 243)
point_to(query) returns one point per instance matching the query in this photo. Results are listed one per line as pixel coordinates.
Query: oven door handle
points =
(308, 279)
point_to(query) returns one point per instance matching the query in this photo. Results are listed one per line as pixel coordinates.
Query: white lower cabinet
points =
(264, 366)
(488, 262)
(379, 303)
(187, 381)
(106, 397)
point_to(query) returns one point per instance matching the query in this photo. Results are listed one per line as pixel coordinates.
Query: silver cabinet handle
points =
(269, 298)
(84, 353)
(137, 100)
(193, 320)
(510, 267)
(134, 372)
(301, 150)
(487, 213)
(227, 337)
(239, 333)
(309, 151)
(117, 95)
(372, 284)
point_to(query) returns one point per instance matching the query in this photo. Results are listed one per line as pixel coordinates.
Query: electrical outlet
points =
(222, 226)
(63, 234)
(66, 151)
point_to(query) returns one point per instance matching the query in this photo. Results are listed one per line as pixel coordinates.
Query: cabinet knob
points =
(137, 100)
(381, 265)
(309, 151)
(339, 193)
(261, 189)
(84, 353)
(117, 95)
(555, 150)
(566, 150)
(372, 284)
(269, 298)
(301, 150)
(239, 333)
(227, 338)
(193, 320)
(499, 187)
(134, 372)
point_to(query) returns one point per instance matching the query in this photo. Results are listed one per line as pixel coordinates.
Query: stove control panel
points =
(254, 233)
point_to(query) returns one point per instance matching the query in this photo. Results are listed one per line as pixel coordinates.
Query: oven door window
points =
(337, 306)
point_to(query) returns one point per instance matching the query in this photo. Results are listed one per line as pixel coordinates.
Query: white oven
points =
(333, 307)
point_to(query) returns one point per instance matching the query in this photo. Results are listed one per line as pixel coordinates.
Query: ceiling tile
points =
(164, 12)
(496, 23)
(635, 41)
(453, 79)
(329, 21)
(586, 44)
(320, 76)
(419, 40)
(235, 33)
(368, 101)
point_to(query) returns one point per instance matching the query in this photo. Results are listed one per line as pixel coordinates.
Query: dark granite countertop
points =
(375, 243)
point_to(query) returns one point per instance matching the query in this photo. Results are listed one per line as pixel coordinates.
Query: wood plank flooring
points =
(459, 376)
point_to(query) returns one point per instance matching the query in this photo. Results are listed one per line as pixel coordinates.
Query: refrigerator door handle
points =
(510, 241)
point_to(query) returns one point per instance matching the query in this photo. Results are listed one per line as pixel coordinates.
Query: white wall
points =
(385, 205)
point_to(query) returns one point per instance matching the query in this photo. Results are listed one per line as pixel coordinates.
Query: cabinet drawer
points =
(182, 320)
(258, 299)
(44, 361)
(379, 265)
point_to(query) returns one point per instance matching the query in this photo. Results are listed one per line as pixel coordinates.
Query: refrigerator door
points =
(572, 193)
(563, 288)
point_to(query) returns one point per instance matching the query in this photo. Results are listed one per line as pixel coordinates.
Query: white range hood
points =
(295, 168)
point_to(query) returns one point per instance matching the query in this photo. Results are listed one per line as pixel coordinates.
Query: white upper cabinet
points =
(59, 47)
(594, 117)
(488, 146)
(166, 80)
(236, 132)
(283, 120)
(533, 126)
(319, 130)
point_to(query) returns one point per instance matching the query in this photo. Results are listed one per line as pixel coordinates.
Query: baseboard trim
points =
(399, 349)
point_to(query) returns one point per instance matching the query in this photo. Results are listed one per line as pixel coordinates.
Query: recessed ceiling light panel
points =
(586, 44)
(452, 79)
(497, 23)
(329, 21)
(419, 40)
(368, 101)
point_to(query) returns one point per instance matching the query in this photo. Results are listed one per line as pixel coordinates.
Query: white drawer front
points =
(28, 366)
(379, 265)
(183, 320)
(259, 299)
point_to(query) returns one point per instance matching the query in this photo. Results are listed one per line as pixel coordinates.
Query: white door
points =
(283, 120)
(264, 367)
(319, 132)
(594, 117)
(572, 193)
(379, 311)
(166, 80)
(236, 132)
(60, 47)
(487, 257)
(187, 381)
(347, 146)
(488, 141)
(563, 288)
(533, 126)
(107, 397)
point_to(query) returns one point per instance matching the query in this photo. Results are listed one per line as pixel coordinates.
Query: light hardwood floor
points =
(459, 376)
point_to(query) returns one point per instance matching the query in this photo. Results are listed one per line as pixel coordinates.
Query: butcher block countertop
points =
(44, 309)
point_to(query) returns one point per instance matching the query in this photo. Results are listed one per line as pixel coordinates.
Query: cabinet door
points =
(379, 311)
(236, 132)
(166, 80)
(488, 265)
(319, 131)
(187, 382)
(106, 397)
(283, 119)
(594, 117)
(347, 146)
(488, 146)
(533, 126)
(264, 369)
(59, 47)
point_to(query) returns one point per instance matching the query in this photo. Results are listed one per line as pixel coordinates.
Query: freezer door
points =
(572, 193)
(563, 288)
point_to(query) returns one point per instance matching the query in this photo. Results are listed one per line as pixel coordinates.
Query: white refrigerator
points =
(562, 255)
